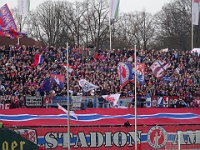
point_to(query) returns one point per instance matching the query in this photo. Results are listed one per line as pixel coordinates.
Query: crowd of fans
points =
(19, 79)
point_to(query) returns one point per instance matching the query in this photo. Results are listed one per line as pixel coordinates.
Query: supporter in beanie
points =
(90, 104)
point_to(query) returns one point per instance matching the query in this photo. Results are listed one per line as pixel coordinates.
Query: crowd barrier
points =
(75, 101)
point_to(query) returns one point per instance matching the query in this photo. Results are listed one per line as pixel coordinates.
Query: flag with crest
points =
(58, 79)
(125, 73)
(159, 67)
(113, 98)
(139, 73)
(87, 86)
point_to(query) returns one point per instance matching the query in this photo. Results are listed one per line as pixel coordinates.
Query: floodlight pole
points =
(135, 69)
(68, 110)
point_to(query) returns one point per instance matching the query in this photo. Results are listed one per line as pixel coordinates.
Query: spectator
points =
(19, 78)
(90, 104)
(82, 105)
(101, 101)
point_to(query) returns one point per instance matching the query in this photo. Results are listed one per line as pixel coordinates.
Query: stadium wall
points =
(113, 137)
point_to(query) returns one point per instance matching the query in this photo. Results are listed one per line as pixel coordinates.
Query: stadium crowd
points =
(20, 79)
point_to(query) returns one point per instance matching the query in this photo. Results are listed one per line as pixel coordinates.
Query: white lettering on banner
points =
(4, 106)
(96, 139)
(65, 139)
(33, 101)
(76, 101)
(188, 137)
(156, 137)
(51, 140)
(82, 138)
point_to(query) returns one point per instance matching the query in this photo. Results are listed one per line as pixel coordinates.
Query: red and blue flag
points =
(140, 69)
(8, 27)
(125, 73)
(38, 60)
(58, 79)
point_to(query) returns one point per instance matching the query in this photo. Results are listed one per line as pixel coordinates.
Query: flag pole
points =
(68, 110)
(110, 26)
(20, 29)
(135, 98)
(192, 26)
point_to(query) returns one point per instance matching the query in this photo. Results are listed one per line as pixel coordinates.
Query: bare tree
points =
(96, 23)
(45, 23)
(174, 25)
(19, 20)
(135, 28)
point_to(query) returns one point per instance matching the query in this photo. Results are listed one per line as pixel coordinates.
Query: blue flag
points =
(45, 85)
(167, 79)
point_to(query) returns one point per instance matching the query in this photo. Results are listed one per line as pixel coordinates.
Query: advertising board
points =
(114, 137)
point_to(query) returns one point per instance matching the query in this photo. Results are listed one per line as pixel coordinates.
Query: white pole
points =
(18, 41)
(135, 99)
(20, 28)
(192, 27)
(68, 110)
(179, 143)
(110, 25)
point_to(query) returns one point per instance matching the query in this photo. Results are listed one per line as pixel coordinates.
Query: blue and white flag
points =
(140, 73)
(87, 86)
(167, 79)
(148, 100)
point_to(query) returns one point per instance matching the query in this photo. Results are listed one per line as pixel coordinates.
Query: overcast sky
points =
(152, 6)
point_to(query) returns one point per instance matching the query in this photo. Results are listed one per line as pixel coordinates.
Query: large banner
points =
(10, 140)
(115, 137)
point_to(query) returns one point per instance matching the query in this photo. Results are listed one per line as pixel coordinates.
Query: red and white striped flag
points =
(70, 68)
(158, 67)
(195, 12)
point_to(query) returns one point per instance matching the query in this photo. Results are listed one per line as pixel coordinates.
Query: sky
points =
(151, 6)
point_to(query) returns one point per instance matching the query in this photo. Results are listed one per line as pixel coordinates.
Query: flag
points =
(114, 8)
(45, 85)
(38, 59)
(6, 18)
(23, 7)
(167, 79)
(125, 73)
(140, 73)
(58, 79)
(87, 86)
(195, 12)
(8, 27)
(70, 68)
(113, 98)
(158, 67)
(148, 100)
(162, 101)
(72, 114)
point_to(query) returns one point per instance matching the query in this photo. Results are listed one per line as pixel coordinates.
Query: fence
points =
(75, 102)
